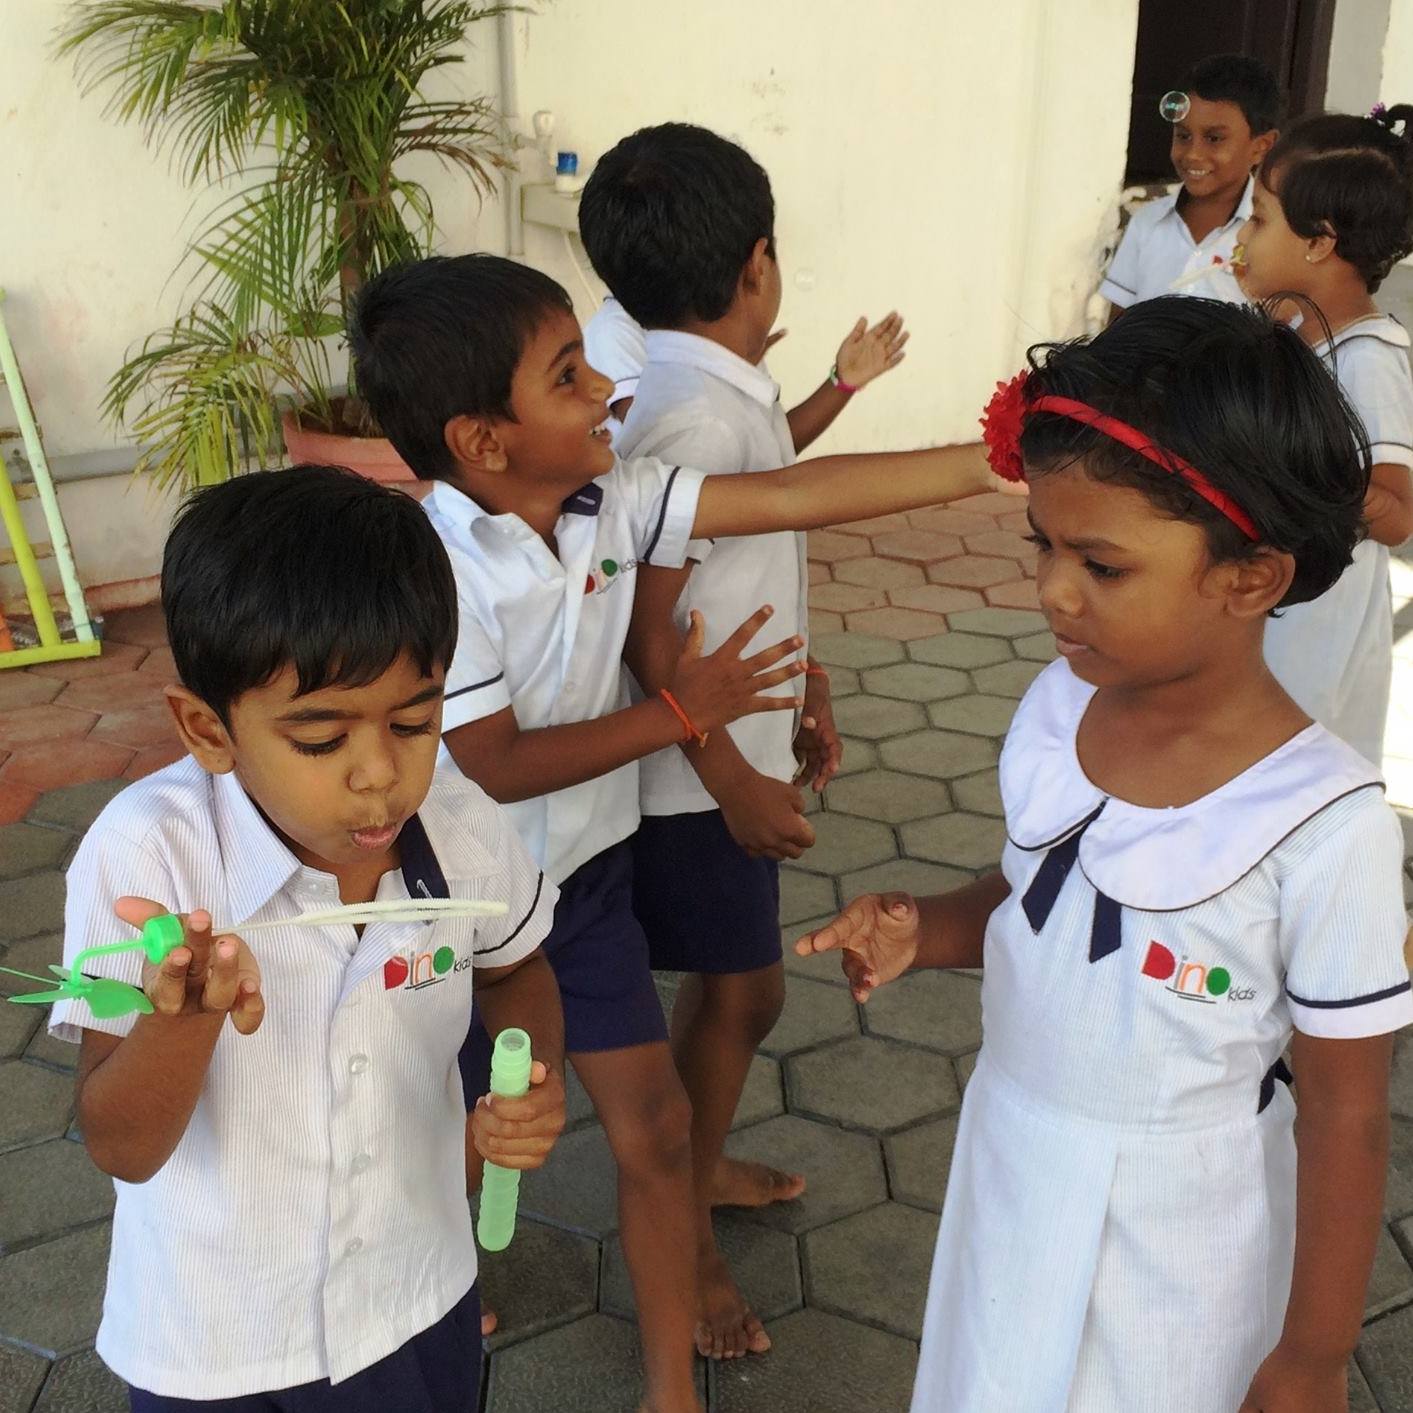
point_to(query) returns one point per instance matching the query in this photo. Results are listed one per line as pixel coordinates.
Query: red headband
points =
(1005, 415)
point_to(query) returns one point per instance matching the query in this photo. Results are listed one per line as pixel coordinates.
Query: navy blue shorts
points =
(599, 956)
(704, 902)
(437, 1371)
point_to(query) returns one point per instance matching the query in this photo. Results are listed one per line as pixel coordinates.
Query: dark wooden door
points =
(1291, 36)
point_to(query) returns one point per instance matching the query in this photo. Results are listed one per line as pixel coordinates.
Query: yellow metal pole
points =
(25, 561)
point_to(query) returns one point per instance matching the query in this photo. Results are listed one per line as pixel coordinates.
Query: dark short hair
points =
(1233, 78)
(1353, 177)
(441, 338)
(669, 219)
(313, 568)
(1234, 393)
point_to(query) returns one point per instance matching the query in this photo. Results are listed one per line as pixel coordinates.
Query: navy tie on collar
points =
(422, 875)
(1106, 933)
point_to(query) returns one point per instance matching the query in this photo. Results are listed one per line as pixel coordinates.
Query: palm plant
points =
(318, 105)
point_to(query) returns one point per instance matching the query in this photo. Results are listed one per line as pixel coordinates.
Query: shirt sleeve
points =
(475, 681)
(662, 504)
(1342, 925)
(529, 894)
(1375, 378)
(615, 346)
(107, 866)
(1120, 283)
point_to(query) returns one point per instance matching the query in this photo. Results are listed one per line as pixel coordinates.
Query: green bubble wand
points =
(108, 998)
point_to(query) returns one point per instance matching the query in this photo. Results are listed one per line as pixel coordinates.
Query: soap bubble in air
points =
(1174, 106)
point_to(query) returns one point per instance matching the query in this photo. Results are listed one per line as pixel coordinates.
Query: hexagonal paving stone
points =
(762, 1096)
(977, 714)
(828, 546)
(942, 754)
(999, 622)
(915, 682)
(919, 1160)
(980, 793)
(32, 904)
(918, 546)
(844, 1170)
(27, 847)
(960, 650)
(846, 598)
(938, 1009)
(872, 1084)
(1398, 1194)
(858, 755)
(21, 1375)
(889, 796)
(546, 1277)
(877, 573)
(1401, 1078)
(1391, 1280)
(1361, 1400)
(822, 623)
(935, 598)
(38, 1103)
(873, 718)
(1022, 594)
(75, 806)
(843, 681)
(805, 895)
(1386, 1357)
(899, 623)
(33, 955)
(51, 1295)
(819, 967)
(819, 1363)
(873, 1267)
(965, 1066)
(1008, 679)
(902, 876)
(844, 842)
(83, 1383)
(1003, 543)
(58, 1054)
(973, 571)
(1039, 647)
(855, 650)
(966, 840)
(577, 1187)
(49, 1187)
(950, 521)
(592, 1364)
(17, 1027)
(764, 1262)
(34, 725)
(813, 1014)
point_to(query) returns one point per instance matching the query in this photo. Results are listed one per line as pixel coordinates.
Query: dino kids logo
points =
(602, 579)
(412, 971)
(1191, 980)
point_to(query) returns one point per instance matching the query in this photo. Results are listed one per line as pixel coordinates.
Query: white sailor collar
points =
(1160, 860)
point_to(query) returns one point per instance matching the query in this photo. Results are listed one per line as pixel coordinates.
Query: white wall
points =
(1397, 83)
(957, 161)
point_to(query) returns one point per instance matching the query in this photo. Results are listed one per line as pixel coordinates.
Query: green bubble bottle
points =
(500, 1187)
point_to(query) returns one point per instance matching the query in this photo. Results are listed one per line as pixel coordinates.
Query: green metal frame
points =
(52, 645)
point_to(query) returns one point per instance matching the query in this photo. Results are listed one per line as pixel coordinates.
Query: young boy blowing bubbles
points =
(474, 366)
(291, 1228)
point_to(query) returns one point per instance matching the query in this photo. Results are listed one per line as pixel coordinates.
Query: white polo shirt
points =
(613, 345)
(1334, 655)
(1157, 250)
(698, 403)
(545, 634)
(312, 1219)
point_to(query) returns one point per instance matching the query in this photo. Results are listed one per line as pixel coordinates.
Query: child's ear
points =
(1321, 247)
(1261, 145)
(475, 445)
(753, 274)
(1258, 584)
(203, 733)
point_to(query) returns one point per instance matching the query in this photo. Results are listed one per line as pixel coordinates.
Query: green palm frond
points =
(319, 102)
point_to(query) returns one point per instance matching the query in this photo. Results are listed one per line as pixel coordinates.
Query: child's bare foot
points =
(727, 1327)
(738, 1184)
(489, 1321)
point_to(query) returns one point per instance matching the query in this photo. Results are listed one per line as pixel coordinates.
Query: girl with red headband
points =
(1197, 877)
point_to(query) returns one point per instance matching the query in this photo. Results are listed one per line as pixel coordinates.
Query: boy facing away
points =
(681, 224)
(474, 367)
(1183, 243)
(291, 1229)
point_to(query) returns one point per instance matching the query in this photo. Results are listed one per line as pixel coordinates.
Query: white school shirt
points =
(1157, 250)
(613, 346)
(545, 634)
(698, 403)
(312, 1218)
(1334, 655)
(1112, 1173)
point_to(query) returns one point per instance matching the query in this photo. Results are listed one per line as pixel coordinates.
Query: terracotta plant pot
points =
(373, 457)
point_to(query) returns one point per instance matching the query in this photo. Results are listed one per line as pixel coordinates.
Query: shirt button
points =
(354, 1246)
(358, 1064)
(361, 1163)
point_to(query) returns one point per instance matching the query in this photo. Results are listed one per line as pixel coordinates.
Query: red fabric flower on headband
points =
(1001, 425)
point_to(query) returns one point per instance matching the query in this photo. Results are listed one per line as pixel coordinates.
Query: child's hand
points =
(866, 352)
(877, 935)
(724, 686)
(1291, 1383)
(766, 817)
(204, 975)
(519, 1133)
(818, 746)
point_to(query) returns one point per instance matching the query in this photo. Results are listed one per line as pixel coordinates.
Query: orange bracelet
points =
(692, 734)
